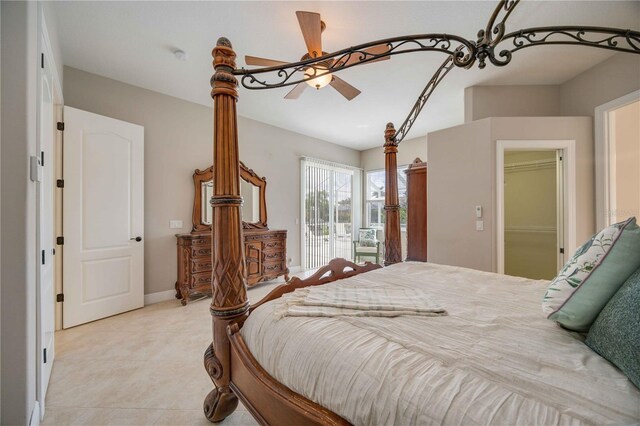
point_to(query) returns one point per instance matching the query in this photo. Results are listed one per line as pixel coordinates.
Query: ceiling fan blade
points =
(375, 50)
(345, 89)
(296, 91)
(262, 62)
(311, 27)
(378, 50)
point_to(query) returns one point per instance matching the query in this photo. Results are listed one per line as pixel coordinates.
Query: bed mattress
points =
(494, 359)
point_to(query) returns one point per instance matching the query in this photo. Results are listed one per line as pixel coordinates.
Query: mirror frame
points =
(248, 175)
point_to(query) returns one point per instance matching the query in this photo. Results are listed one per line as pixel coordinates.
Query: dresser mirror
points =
(250, 206)
(252, 190)
(265, 250)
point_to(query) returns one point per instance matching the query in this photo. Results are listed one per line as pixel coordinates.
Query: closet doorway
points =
(532, 208)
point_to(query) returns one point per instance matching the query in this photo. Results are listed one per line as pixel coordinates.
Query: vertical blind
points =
(330, 211)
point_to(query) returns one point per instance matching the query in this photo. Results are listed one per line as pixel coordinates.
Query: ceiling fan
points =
(312, 27)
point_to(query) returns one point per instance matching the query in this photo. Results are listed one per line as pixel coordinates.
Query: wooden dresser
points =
(265, 250)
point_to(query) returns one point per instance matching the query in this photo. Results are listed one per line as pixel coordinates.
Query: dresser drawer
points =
(201, 278)
(201, 252)
(273, 268)
(273, 244)
(201, 242)
(201, 265)
(273, 256)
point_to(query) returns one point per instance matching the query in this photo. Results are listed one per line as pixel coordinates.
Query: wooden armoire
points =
(417, 205)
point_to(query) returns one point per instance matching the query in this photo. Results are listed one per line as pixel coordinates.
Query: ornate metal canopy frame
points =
(493, 45)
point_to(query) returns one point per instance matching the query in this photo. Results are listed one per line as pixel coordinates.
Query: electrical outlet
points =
(175, 224)
(479, 225)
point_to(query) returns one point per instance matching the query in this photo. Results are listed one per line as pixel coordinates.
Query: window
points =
(328, 211)
(375, 192)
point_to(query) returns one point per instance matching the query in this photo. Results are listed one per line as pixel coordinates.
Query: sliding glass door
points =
(328, 219)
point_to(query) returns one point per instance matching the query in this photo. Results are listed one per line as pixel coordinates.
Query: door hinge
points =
(42, 60)
(44, 355)
(43, 259)
(561, 250)
(60, 297)
(53, 251)
(42, 158)
(60, 241)
(60, 183)
(60, 126)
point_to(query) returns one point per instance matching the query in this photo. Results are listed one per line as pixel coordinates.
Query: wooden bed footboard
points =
(268, 400)
(336, 269)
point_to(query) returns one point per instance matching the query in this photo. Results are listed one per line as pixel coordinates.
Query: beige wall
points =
(627, 161)
(178, 139)
(511, 101)
(460, 177)
(579, 96)
(408, 150)
(611, 79)
(49, 17)
(462, 174)
(18, 194)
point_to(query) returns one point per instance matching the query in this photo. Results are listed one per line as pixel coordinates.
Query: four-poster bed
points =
(236, 373)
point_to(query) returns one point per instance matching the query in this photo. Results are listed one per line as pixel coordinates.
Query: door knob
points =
(138, 239)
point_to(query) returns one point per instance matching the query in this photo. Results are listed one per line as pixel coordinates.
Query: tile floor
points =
(143, 367)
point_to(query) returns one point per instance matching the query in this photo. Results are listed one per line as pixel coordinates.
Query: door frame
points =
(604, 144)
(44, 48)
(568, 148)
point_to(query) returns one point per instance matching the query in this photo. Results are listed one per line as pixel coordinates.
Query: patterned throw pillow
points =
(616, 332)
(367, 238)
(593, 275)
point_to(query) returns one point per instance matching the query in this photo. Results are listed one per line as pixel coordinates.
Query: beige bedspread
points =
(494, 359)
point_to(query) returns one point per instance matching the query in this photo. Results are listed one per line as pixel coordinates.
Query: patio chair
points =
(367, 245)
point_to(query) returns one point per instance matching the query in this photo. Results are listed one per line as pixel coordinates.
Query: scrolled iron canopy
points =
(491, 39)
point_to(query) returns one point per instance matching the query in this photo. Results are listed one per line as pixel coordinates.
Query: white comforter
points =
(494, 359)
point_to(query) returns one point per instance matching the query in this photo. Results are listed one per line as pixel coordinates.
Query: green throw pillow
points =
(593, 275)
(367, 238)
(615, 334)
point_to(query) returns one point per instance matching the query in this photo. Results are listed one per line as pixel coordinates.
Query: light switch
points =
(175, 224)
(478, 211)
(36, 169)
(479, 225)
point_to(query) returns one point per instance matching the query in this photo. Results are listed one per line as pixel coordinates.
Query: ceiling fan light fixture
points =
(320, 81)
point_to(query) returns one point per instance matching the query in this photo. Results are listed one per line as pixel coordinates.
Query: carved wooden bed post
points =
(392, 246)
(229, 301)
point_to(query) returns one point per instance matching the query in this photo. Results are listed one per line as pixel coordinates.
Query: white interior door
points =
(45, 295)
(103, 217)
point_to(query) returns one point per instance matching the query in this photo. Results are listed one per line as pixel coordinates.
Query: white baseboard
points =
(158, 297)
(35, 415)
(163, 296)
(295, 269)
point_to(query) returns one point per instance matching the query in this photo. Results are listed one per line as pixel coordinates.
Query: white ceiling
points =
(133, 42)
